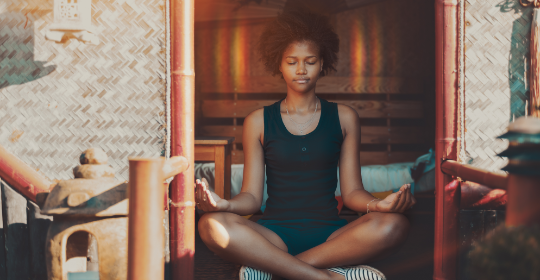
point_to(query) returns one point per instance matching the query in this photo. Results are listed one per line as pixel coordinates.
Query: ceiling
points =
(211, 10)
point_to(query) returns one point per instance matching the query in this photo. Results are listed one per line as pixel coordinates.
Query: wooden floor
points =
(413, 261)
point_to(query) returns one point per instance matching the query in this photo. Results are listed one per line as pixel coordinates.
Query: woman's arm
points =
(249, 200)
(352, 191)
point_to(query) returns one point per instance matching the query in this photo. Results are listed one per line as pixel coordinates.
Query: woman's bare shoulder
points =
(347, 115)
(255, 118)
(254, 122)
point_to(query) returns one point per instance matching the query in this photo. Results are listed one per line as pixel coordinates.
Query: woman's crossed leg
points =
(244, 242)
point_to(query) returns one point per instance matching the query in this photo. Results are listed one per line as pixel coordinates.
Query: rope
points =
(168, 89)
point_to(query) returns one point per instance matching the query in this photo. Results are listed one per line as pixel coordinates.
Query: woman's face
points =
(301, 66)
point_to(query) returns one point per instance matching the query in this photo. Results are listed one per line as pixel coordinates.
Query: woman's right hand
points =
(207, 200)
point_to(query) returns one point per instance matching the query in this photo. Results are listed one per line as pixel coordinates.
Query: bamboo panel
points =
(58, 99)
(342, 85)
(369, 134)
(366, 158)
(365, 108)
(496, 57)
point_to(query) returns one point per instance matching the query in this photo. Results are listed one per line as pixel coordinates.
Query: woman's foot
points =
(250, 273)
(359, 272)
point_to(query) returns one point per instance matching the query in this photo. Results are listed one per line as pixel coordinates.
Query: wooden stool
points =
(218, 150)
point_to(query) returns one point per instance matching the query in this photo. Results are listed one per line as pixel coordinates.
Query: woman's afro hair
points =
(296, 26)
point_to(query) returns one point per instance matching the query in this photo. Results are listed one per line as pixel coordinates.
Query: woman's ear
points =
(322, 62)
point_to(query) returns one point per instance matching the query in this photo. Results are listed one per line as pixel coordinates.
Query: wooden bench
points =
(218, 150)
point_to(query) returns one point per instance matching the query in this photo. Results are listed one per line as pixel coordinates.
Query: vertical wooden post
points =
(38, 225)
(145, 226)
(17, 247)
(446, 78)
(3, 267)
(182, 212)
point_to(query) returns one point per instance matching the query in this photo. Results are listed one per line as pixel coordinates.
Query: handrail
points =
(473, 174)
(21, 177)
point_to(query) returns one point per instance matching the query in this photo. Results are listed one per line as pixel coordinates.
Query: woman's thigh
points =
(372, 217)
(368, 238)
(209, 222)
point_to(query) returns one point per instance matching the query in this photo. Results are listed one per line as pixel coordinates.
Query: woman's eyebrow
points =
(290, 56)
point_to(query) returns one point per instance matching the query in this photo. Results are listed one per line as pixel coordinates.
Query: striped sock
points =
(360, 272)
(250, 273)
(338, 270)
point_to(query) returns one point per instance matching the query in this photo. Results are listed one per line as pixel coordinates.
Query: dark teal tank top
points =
(301, 171)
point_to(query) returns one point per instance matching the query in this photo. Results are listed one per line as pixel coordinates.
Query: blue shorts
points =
(302, 234)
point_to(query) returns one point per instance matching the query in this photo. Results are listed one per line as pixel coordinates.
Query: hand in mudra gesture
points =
(207, 200)
(397, 202)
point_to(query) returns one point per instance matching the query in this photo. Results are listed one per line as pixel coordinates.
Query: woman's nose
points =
(301, 69)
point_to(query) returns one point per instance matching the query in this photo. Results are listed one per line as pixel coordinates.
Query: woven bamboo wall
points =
(57, 99)
(496, 63)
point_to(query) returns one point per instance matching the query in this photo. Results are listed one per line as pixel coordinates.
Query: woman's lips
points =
(302, 81)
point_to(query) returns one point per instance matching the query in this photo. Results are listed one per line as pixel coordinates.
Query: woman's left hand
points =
(396, 202)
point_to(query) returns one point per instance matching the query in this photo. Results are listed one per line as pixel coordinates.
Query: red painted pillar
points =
(446, 77)
(182, 213)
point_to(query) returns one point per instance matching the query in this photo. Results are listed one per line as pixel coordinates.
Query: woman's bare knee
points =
(392, 228)
(214, 229)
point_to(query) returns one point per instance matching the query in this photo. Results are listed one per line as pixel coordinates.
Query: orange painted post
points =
(22, 177)
(473, 174)
(182, 213)
(145, 225)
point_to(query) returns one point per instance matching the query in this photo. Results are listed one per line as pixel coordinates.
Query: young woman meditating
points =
(301, 139)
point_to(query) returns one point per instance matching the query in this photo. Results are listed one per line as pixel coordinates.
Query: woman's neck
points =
(301, 103)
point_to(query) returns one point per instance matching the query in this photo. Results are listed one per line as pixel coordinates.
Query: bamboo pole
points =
(182, 213)
(446, 191)
(473, 174)
(21, 177)
(145, 225)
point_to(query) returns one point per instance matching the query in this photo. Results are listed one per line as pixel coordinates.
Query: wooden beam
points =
(329, 85)
(369, 134)
(204, 153)
(352, 4)
(364, 108)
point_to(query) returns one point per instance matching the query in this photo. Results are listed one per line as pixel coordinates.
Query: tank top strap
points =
(332, 124)
(270, 119)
